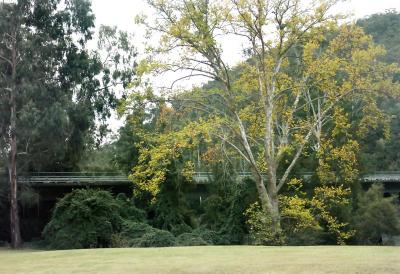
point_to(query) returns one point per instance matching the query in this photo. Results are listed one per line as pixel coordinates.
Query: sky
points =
(122, 13)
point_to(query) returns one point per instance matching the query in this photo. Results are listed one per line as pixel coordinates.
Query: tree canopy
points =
(54, 91)
(289, 98)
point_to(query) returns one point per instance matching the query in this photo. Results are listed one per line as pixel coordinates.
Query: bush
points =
(87, 218)
(156, 238)
(117, 240)
(128, 210)
(260, 227)
(211, 237)
(180, 229)
(298, 220)
(135, 230)
(136, 234)
(216, 211)
(375, 217)
(234, 227)
(171, 208)
(190, 239)
(306, 236)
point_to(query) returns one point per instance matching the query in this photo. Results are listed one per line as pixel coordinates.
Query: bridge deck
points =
(73, 178)
(94, 178)
(382, 177)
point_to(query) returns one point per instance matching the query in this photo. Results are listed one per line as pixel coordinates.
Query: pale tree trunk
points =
(268, 196)
(14, 217)
(270, 155)
(269, 203)
(274, 210)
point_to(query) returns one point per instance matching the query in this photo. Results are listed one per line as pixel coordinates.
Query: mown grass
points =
(207, 259)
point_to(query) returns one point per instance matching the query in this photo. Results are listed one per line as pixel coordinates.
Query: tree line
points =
(312, 94)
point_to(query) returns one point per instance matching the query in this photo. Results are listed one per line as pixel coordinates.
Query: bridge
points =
(39, 179)
(382, 177)
(113, 178)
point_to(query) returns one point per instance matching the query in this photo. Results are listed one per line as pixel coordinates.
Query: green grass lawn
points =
(208, 259)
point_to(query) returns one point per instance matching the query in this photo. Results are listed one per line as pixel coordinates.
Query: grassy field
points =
(214, 259)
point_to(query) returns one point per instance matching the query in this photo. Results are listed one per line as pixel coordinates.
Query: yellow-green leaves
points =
(328, 201)
(300, 91)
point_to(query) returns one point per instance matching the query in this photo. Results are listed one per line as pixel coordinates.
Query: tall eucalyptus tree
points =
(53, 89)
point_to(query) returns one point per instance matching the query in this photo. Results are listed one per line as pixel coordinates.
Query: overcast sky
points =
(121, 13)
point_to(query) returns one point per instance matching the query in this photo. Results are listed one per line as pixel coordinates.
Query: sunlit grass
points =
(212, 259)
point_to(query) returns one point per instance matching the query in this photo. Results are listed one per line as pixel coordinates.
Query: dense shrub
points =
(131, 234)
(190, 239)
(171, 208)
(143, 235)
(86, 218)
(235, 228)
(216, 211)
(156, 238)
(128, 210)
(260, 227)
(134, 230)
(375, 216)
(298, 218)
(211, 237)
(180, 229)
(117, 240)
(306, 236)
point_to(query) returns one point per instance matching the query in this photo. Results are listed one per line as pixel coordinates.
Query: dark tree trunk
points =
(14, 217)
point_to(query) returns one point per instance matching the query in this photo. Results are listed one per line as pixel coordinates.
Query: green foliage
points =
(179, 229)
(128, 210)
(190, 239)
(60, 85)
(211, 237)
(299, 223)
(126, 152)
(332, 208)
(143, 235)
(118, 241)
(234, 226)
(87, 218)
(375, 216)
(171, 208)
(156, 238)
(134, 230)
(261, 227)
(98, 159)
(384, 28)
(380, 152)
(300, 87)
(216, 210)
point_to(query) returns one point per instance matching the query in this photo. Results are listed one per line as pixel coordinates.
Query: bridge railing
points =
(382, 177)
(205, 177)
(46, 178)
(200, 177)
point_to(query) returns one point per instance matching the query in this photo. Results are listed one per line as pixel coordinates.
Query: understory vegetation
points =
(89, 218)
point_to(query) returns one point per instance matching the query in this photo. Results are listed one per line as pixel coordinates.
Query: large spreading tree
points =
(303, 70)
